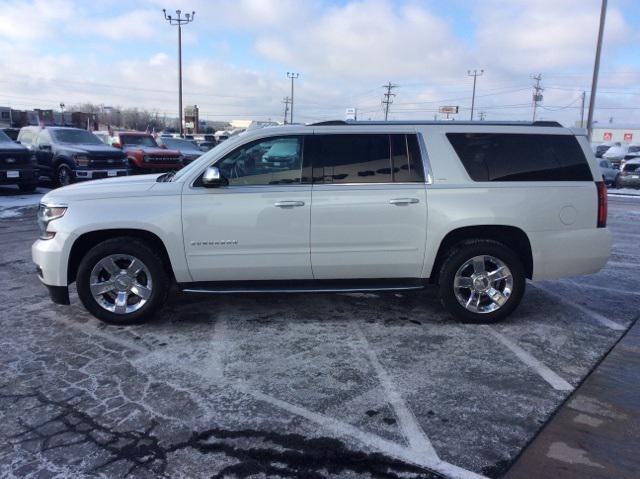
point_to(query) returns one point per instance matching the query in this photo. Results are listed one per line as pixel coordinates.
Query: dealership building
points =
(625, 133)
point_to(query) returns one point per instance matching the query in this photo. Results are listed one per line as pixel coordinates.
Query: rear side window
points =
(364, 158)
(521, 157)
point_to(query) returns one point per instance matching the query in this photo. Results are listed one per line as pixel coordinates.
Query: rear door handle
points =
(288, 204)
(404, 201)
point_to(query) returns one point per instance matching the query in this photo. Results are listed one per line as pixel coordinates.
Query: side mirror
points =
(212, 178)
(115, 144)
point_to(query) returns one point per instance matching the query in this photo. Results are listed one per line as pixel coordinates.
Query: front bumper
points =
(24, 175)
(628, 182)
(51, 258)
(99, 174)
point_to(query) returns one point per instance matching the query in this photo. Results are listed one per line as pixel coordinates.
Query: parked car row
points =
(66, 155)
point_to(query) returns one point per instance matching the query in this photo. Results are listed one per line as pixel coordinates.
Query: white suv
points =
(475, 208)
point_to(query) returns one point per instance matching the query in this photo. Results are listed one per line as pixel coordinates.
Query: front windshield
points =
(4, 138)
(83, 137)
(634, 149)
(138, 140)
(178, 144)
(207, 157)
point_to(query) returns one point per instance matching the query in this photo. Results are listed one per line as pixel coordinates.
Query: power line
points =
(388, 98)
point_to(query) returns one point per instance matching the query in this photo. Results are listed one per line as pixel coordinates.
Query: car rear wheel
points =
(64, 175)
(122, 281)
(481, 281)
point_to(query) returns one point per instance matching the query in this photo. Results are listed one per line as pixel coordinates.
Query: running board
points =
(303, 286)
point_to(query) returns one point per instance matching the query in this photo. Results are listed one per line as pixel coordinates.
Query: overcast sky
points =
(236, 55)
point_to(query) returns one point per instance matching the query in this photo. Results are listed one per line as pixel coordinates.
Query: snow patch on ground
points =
(12, 202)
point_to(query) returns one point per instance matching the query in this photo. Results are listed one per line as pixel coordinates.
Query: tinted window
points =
(4, 138)
(270, 161)
(349, 158)
(521, 157)
(406, 159)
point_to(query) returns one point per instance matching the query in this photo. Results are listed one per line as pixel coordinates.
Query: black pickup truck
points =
(67, 155)
(17, 166)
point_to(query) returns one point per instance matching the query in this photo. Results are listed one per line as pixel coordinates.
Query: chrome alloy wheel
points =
(120, 283)
(483, 284)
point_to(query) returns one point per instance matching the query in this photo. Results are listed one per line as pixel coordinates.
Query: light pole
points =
(596, 69)
(475, 75)
(178, 21)
(293, 76)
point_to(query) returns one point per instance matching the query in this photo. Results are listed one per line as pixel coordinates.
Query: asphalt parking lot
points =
(302, 386)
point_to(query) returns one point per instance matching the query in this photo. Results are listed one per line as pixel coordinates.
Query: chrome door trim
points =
(426, 164)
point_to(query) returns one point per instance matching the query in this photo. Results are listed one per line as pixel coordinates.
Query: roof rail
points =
(554, 124)
(329, 123)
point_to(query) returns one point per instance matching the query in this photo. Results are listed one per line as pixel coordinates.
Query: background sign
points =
(449, 110)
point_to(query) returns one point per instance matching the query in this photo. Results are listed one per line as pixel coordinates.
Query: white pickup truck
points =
(475, 208)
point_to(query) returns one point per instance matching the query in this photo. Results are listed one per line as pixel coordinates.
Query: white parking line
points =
(543, 371)
(592, 314)
(603, 288)
(418, 440)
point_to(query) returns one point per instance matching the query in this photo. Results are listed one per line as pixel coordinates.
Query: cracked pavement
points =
(294, 386)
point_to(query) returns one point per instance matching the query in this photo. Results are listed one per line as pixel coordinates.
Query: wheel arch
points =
(88, 240)
(511, 236)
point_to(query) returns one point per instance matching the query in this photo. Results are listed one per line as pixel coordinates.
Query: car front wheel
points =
(481, 281)
(122, 281)
(64, 175)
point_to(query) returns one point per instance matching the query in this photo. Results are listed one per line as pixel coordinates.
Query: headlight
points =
(81, 160)
(46, 214)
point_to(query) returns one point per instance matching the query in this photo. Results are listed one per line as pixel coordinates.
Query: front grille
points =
(162, 159)
(14, 159)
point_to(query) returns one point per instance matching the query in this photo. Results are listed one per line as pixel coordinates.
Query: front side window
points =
(521, 157)
(270, 161)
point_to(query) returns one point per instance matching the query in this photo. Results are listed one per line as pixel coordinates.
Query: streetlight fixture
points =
(178, 21)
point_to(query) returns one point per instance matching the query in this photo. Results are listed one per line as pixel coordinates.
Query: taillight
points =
(602, 204)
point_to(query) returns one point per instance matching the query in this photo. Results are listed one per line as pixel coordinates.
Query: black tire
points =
(461, 253)
(64, 175)
(124, 246)
(28, 187)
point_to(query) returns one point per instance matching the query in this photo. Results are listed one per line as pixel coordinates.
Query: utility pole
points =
(596, 68)
(475, 75)
(537, 93)
(482, 114)
(286, 102)
(388, 98)
(178, 21)
(584, 94)
(293, 76)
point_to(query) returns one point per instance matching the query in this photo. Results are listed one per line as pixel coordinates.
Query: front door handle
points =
(404, 201)
(288, 204)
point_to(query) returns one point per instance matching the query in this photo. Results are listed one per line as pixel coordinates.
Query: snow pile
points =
(12, 204)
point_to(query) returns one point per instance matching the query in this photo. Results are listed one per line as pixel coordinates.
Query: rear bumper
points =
(560, 254)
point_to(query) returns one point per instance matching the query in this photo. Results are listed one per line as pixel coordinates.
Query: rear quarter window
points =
(521, 157)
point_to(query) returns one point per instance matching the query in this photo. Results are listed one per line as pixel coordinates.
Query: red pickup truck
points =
(145, 155)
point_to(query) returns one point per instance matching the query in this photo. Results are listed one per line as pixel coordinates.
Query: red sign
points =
(628, 137)
(607, 136)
